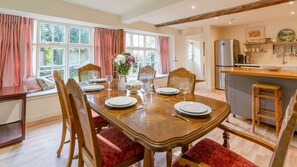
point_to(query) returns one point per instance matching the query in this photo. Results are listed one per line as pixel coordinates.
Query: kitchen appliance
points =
(226, 55)
(241, 59)
(247, 59)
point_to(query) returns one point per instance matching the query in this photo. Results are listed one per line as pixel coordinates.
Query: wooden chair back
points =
(181, 75)
(146, 70)
(67, 114)
(84, 72)
(286, 133)
(87, 140)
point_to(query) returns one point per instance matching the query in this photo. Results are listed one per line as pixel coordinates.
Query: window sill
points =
(42, 94)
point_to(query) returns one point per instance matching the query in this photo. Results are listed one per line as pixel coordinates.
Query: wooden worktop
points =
(289, 74)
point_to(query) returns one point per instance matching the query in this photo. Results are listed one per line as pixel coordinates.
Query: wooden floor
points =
(42, 141)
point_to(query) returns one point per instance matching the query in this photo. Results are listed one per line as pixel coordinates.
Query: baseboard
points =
(42, 116)
(43, 121)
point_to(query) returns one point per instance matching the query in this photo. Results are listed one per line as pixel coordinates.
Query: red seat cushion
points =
(115, 147)
(97, 118)
(216, 155)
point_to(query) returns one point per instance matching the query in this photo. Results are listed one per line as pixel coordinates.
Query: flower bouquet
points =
(123, 62)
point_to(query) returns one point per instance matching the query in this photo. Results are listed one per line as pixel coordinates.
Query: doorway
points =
(196, 55)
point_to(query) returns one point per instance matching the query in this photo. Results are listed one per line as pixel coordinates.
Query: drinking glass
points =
(184, 87)
(144, 90)
(109, 80)
(151, 83)
(94, 75)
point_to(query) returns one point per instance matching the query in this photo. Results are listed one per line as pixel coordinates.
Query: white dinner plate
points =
(167, 91)
(121, 101)
(97, 80)
(90, 88)
(192, 108)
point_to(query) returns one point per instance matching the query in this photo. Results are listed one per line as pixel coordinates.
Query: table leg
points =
(148, 158)
(169, 158)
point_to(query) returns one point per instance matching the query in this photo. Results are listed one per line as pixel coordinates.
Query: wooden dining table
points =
(153, 124)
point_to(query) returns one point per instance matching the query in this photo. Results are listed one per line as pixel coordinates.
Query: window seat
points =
(42, 94)
(42, 105)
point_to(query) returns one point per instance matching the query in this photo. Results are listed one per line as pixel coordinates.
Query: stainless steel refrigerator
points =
(226, 55)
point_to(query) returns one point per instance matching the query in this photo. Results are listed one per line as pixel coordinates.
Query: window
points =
(144, 48)
(61, 47)
(190, 50)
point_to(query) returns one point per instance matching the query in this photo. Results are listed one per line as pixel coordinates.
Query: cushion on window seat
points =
(45, 83)
(32, 84)
(115, 147)
(216, 155)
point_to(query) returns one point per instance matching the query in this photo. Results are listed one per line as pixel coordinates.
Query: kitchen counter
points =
(258, 65)
(289, 74)
(239, 83)
(285, 66)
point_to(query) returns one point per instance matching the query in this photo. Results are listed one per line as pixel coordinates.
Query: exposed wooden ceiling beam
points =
(237, 9)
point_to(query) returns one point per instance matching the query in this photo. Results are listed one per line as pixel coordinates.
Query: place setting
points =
(167, 91)
(120, 102)
(192, 108)
(92, 88)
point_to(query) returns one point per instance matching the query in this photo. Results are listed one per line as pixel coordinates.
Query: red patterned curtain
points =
(164, 53)
(107, 42)
(16, 37)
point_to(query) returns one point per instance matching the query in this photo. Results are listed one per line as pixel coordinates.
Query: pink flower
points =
(130, 59)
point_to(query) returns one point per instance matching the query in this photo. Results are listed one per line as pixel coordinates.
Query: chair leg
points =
(185, 148)
(276, 102)
(280, 107)
(258, 110)
(80, 161)
(169, 158)
(62, 140)
(253, 109)
(226, 137)
(71, 148)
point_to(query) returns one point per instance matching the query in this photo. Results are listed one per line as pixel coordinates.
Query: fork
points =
(185, 119)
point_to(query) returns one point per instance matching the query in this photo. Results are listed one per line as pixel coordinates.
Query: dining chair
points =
(108, 148)
(208, 152)
(179, 75)
(83, 72)
(146, 70)
(68, 119)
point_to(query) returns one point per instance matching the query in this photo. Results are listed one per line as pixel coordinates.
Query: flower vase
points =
(122, 82)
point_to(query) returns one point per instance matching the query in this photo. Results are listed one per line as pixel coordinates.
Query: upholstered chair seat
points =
(215, 155)
(115, 147)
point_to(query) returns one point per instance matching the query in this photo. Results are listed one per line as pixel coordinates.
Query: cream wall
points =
(213, 34)
(55, 10)
(272, 28)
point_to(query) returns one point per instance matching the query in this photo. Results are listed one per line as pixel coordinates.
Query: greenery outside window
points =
(61, 47)
(144, 48)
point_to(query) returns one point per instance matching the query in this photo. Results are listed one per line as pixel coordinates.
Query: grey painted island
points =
(239, 83)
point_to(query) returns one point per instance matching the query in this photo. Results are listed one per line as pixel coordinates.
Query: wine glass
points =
(109, 80)
(184, 87)
(144, 90)
(150, 80)
(94, 75)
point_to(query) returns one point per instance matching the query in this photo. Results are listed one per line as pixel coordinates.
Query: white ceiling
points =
(159, 11)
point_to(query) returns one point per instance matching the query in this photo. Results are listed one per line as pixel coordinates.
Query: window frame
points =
(145, 49)
(37, 45)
